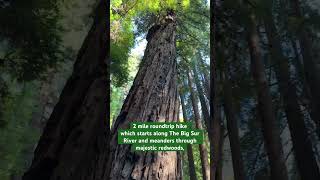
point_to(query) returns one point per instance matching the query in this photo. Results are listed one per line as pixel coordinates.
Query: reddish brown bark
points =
(204, 107)
(214, 130)
(192, 169)
(202, 147)
(152, 98)
(270, 127)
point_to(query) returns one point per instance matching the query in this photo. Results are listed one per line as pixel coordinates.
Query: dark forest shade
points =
(312, 73)
(214, 132)
(233, 132)
(152, 97)
(270, 127)
(74, 144)
(302, 146)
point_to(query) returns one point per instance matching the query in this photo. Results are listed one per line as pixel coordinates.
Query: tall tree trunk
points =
(204, 107)
(205, 75)
(232, 126)
(270, 127)
(302, 146)
(192, 169)
(301, 76)
(306, 90)
(74, 143)
(202, 147)
(215, 121)
(312, 73)
(153, 97)
(219, 173)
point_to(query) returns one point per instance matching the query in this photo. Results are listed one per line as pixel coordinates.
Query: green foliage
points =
(30, 33)
(30, 41)
(30, 44)
(19, 136)
(122, 14)
(118, 93)
(196, 161)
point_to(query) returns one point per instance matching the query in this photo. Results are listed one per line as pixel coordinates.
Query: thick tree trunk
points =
(192, 169)
(302, 146)
(312, 73)
(153, 97)
(270, 127)
(202, 147)
(232, 126)
(74, 143)
(214, 130)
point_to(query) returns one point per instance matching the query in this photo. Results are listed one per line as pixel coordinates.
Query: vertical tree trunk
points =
(232, 126)
(302, 146)
(202, 148)
(219, 173)
(270, 127)
(153, 97)
(306, 89)
(215, 121)
(301, 76)
(192, 169)
(312, 73)
(204, 107)
(74, 143)
(205, 76)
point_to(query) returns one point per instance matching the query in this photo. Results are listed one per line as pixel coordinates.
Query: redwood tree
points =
(233, 132)
(311, 70)
(202, 147)
(153, 97)
(192, 169)
(302, 145)
(270, 127)
(214, 130)
(74, 144)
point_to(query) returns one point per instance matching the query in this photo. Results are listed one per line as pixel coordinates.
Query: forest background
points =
(39, 44)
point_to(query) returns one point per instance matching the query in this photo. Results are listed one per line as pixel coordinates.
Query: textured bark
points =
(233, 132)
(74, 143)
(214, 130)
(202, 147)
(302, 146)
(270, 127)
(312, 74)
(192, 169)
(153, 97)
